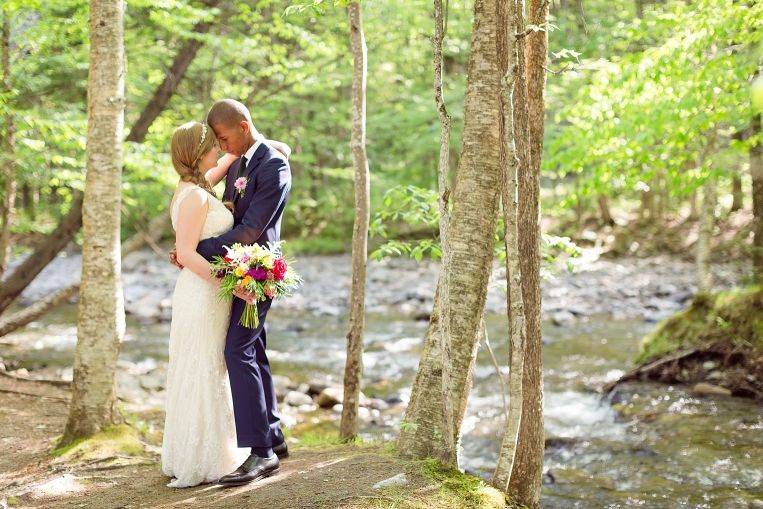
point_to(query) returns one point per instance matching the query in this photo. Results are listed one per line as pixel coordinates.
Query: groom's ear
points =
(244, 126)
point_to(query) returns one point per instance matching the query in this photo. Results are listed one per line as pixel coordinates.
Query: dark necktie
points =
(241, 167)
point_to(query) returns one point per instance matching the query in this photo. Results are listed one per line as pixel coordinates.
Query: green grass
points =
(734, 316)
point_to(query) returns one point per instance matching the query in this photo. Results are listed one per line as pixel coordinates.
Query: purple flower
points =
(258, 274)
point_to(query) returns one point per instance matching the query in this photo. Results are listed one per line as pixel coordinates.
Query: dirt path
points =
(327, 476)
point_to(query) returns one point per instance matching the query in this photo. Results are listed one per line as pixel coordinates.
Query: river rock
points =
(329, 397)
(710, 389)
(296, 398)
(316, 388)
(564, 317)
(397, 480)
(377, 404)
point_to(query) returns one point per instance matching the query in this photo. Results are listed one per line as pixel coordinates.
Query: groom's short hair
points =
(228, 112)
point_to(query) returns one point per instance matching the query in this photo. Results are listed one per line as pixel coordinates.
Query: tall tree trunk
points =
(639, 4)
(101, 319)
(693, 210)
(470, 241)
(443, 185)
(353, 370)
(707, 223)
(44, 252)
(737, 193)
(528, 466)
(172, 79)
(709, 202)
(604, 213)
(7, 159)
(507, 45)
(756, 172)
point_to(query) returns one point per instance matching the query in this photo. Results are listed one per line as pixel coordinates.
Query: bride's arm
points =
(280, 146)
(193, 211)
(216, 174)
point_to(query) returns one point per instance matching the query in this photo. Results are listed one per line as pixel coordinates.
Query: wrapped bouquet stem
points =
(260, 270)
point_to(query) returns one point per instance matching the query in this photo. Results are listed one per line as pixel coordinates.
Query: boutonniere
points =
(240, 185)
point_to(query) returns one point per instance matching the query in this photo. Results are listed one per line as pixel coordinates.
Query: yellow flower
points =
(240, 270)
(246, 281)
(268, 261)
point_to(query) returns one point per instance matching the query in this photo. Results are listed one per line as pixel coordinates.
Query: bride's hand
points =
(246, 296)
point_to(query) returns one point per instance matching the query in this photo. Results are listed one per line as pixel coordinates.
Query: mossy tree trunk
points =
(101, 320)
(353, 370)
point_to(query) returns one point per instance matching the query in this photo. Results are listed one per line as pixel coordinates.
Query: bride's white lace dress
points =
(199, 442)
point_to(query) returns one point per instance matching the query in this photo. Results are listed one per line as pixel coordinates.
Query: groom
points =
(258, 184)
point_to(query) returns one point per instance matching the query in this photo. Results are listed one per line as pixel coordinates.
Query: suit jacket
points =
(258, 212)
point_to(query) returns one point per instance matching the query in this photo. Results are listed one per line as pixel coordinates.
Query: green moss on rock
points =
(734, 317)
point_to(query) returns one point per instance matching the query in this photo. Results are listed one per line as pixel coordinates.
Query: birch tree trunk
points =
(756, 172)
(507, 43)
(470, 244)
(7, 159)
(443, 184)
(353, 370)
(101, 320)
(528, 465)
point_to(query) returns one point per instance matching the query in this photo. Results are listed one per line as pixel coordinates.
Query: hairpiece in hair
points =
(203, 133)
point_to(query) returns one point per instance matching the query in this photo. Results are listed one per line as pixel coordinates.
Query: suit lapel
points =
(256, 158)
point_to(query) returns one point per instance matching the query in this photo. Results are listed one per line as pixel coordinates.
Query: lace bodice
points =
(219, 219)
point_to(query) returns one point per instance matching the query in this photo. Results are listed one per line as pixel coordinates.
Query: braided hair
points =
(190, 142)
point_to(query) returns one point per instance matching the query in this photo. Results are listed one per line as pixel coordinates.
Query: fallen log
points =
(152, 234)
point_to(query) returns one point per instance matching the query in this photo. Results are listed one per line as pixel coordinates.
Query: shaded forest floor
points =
(123, 471)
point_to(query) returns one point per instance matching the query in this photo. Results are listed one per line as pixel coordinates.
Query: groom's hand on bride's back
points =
(174, 258)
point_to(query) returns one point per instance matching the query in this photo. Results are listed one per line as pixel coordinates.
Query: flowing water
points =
(650, 446)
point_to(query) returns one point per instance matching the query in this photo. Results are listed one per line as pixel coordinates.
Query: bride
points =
(199, 443)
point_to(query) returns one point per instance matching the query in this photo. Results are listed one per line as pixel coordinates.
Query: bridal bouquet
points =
(261, 270)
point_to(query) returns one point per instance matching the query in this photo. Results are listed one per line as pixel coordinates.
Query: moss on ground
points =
(119, 440)
(734, 317)
(439, 486)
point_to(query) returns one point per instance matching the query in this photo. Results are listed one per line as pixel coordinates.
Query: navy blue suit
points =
(256, 219)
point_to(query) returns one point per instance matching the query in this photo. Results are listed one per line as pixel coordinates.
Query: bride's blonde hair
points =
(190, 142)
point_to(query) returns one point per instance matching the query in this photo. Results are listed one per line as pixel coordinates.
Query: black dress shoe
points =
(281, 450)
(255, 467)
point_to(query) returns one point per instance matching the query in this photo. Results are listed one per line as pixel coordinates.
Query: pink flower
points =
(240, 184)
(279, 268)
